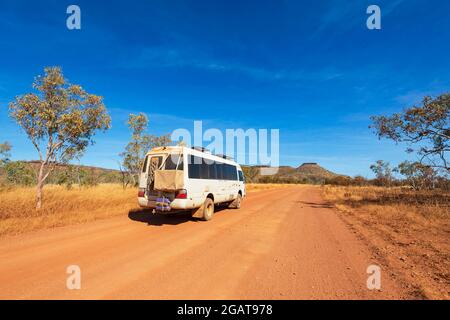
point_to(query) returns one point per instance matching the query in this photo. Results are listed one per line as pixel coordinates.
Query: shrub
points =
(19, 173)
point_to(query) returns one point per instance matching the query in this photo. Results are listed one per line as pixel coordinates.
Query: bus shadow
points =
(146, 216)
(219, 208)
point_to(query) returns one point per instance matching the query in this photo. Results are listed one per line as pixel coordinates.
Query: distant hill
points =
(36, 163)
(313, 169)
(309, 172)
(74, 173)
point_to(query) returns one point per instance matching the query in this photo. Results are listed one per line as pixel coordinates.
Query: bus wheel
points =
(236, 204)
(208, 209)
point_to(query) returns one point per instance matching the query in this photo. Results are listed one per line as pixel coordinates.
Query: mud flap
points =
(198, 213)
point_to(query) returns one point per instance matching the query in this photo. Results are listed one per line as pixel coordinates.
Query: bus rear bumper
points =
(175, 205)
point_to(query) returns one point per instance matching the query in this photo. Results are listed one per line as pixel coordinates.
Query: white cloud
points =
(158, 57)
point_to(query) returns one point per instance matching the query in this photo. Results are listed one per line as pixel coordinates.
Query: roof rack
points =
(224, 156)
(202, 149)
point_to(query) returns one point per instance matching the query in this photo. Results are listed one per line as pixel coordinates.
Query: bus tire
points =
(208, 209)
(236, 204)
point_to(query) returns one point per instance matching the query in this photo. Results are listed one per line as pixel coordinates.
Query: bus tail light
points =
(141, 192)
(181, 194)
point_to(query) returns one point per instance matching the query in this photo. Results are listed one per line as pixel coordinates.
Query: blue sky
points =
(309, 68)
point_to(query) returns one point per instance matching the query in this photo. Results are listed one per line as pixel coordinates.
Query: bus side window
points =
(230, 172)
(220, 171)
(241, 176)
(212, 170)
(194, 167)
(204, 170)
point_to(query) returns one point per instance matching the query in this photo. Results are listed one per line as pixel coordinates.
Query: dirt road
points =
(282, 244)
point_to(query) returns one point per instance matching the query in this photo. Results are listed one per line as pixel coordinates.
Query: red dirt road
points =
(282, 244)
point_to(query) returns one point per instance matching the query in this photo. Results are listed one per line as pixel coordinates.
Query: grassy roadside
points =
(407, 229)
(61, 206)
(67, 207)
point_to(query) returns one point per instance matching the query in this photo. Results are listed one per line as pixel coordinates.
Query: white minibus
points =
(178, 178)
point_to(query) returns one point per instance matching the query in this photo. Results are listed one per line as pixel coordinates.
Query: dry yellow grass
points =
(422, 207)
(409, 230)
(65, 207)
(62, 206)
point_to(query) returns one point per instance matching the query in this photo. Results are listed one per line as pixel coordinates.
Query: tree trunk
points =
(78, 177)
(40, 185)
(39, 196)
(133, 179)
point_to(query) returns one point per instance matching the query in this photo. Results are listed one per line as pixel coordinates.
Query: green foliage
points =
(18, 173)
(140, 144)
(285, 180)
(426, 129)
(110, 177)
(60, 119)
(70, 175)
(67, 175)
(251, 174)
(383, 172)
(339, 181)
(88, 178)
(60, 115)
(348, 181)
(360, 181)
(418, 175)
